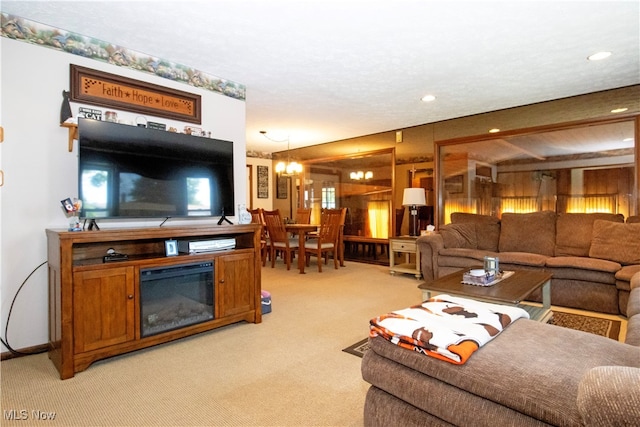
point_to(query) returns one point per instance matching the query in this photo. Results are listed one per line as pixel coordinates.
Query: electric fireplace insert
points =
(175, 296)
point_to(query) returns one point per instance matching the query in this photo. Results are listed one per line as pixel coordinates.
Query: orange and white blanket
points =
(446, 327)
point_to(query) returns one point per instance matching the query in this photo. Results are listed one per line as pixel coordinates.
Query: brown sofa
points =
(592, 256)
(532, 374)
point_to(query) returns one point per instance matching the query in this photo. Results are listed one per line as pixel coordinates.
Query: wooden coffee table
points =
(510, 291)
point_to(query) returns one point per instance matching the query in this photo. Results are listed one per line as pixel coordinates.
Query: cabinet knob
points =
(130, 296)
(221, 280)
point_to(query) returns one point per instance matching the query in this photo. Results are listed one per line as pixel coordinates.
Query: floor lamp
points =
(414, 197)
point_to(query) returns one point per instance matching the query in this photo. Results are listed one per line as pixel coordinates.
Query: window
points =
(328, 195)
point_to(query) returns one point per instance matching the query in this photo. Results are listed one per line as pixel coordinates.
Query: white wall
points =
(39, 171)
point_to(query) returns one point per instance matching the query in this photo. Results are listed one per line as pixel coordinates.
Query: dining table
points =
(302, 230)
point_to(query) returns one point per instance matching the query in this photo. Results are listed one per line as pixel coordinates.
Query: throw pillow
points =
(531, 232)
(574, 230)
(616, 242)
(459, 236)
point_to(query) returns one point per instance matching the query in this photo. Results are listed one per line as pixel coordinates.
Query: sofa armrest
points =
(609, 395)
(633, 309)
(635, 281)
(429, 246)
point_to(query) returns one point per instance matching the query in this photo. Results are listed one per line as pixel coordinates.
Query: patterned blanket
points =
(445, 327)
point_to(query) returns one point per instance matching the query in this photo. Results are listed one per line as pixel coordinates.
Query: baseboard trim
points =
(28, 351)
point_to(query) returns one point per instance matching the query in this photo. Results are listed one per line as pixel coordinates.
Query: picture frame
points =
(171, 247)
(263, 182)
(281, 188)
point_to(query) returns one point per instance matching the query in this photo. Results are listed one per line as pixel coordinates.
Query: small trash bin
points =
(266, 302)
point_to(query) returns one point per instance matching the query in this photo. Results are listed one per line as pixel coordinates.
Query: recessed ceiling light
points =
(598, 56)
(428, 98)
(619, 110)
(494, 130)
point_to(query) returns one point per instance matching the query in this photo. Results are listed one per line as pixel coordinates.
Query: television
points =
(129, 171)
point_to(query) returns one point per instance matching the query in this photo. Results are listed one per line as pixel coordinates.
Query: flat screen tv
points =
(129, 171)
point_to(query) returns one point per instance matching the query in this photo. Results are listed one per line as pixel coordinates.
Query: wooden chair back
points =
(303, 216)
(275, 226)
(332, 220)
(256, 216)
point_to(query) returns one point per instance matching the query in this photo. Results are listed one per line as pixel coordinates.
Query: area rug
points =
(595, 325)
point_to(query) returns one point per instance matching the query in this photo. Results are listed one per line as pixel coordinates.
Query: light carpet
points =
(286, 371)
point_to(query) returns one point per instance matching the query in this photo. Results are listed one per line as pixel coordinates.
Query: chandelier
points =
(358, 175)
(289, 168)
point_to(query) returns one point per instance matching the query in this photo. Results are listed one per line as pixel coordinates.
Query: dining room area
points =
(299, 238)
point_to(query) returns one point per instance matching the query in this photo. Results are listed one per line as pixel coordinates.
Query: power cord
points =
(5, 341)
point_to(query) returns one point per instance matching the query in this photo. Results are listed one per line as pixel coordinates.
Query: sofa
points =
(531, 374)
(592, 256)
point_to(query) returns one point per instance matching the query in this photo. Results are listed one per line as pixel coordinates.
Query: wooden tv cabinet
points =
(94, 306)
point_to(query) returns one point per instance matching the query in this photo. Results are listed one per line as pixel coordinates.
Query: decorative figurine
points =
(65, 109)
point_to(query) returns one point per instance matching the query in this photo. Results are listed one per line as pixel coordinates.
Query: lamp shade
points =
(414, 197)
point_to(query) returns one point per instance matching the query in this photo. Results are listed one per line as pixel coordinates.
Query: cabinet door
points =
(235, 282)
(103, 308)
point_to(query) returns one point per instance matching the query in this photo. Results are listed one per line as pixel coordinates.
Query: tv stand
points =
(94, 307)
(223, 219)
(93, 225)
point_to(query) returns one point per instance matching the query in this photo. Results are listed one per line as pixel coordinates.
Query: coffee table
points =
(510, 291)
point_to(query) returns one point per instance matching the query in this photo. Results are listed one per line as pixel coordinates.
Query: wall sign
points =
(110, 90)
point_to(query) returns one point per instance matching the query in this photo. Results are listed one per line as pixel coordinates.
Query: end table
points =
(408, 246)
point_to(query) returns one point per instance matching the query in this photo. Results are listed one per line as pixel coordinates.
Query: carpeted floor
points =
(595, 325)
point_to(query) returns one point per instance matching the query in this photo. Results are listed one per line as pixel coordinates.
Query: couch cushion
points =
(522, 258)
(531, 232)
(475, 254)
(633, 219)
(459, 236)
(583, 263)
(616, 242)
(574, 231)
(487, 228)
(627, 272)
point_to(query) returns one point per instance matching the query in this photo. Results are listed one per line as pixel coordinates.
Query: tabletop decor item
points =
(72, 210)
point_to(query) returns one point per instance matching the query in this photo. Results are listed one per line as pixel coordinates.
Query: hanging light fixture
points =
(358, 175)
(289, 168)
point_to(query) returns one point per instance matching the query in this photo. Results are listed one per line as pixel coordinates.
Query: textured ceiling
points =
(321, 71)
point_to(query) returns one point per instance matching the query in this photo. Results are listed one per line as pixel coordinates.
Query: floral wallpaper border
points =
(17, 28)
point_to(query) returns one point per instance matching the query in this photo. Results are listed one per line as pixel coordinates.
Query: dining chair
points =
(279, 240)
(256, 218)
(303, 216)
(327, 239)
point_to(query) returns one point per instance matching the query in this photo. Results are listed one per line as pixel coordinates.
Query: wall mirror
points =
(588, 168)
(362, 183)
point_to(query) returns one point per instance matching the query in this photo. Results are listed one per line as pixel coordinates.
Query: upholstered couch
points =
(532, 374)
(592, 256)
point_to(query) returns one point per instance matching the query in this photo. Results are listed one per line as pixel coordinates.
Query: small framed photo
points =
(67, 204)
(171, 247)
